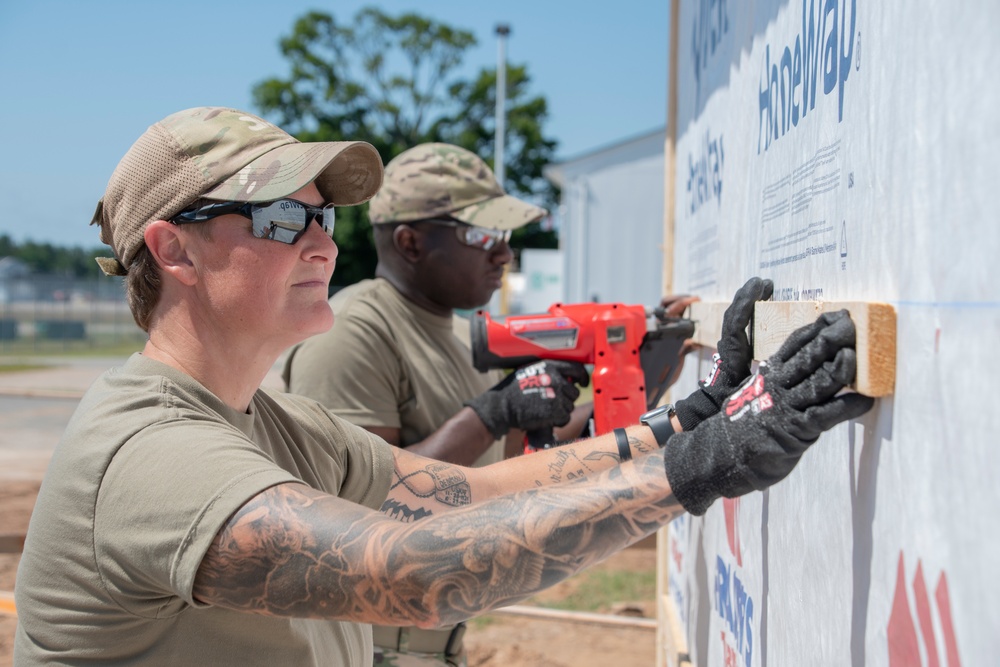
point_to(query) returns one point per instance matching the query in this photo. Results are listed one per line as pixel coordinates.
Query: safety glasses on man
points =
(284, 220)
(476, 237)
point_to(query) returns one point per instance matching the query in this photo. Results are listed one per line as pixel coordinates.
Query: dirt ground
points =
(16, 500)
(501, 641)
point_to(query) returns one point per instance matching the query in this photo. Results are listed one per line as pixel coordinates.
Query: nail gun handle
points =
(539, 438)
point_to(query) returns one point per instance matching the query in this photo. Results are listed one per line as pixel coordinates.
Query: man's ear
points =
(408, 243)
(168, 246)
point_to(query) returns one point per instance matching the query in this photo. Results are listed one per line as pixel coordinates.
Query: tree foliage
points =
(395, 82)
(49, 259)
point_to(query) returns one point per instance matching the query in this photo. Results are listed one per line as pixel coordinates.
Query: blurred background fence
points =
(40, 313)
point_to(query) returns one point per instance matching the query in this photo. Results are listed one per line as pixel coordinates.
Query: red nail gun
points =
(634, 353)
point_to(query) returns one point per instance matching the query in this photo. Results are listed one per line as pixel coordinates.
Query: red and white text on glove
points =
(534, 380)
(751, 398)
(713, 374)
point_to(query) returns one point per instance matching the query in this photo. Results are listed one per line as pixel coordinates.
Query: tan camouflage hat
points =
(226, 155)
(436, 179)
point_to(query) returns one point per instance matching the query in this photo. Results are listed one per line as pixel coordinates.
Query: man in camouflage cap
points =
(188, 516)
(397, 361)
(438, 180)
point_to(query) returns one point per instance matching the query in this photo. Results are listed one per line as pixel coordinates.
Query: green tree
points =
(50, 259)
(393, 81)
(7, 245)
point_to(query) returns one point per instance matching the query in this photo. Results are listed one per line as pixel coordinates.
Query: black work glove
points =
(731, 362)
(764, 428)
(533, 397)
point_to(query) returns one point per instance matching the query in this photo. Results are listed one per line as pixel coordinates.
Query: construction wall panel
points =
(847, 149)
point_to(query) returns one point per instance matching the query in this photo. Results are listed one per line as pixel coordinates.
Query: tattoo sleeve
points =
(414, 494)
(293, 551)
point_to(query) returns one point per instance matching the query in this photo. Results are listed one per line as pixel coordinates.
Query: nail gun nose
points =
(661, 316)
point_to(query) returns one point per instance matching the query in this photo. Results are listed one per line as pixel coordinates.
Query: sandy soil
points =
(16, 500)
(528, 642)
(501, 641)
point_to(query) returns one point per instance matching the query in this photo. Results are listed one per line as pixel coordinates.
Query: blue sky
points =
(81, 80)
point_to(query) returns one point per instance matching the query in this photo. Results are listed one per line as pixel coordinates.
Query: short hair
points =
(142, 287)
(144, 282)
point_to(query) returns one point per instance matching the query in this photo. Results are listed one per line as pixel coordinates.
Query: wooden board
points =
(775, 320)
(674, 643)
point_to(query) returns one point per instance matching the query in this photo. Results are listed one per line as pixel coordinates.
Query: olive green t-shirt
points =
(386, 362)
(151, 466)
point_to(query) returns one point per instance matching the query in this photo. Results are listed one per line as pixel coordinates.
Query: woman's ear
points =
(168, 246)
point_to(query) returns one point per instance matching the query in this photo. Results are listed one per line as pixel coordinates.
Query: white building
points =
(611, 222)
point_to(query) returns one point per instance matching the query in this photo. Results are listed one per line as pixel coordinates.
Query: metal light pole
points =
(501, 120)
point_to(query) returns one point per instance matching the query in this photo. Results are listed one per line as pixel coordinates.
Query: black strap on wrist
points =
(624, 451)
(660, 422)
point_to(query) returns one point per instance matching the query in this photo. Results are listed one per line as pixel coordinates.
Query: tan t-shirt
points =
(149, 469)
(387, 362)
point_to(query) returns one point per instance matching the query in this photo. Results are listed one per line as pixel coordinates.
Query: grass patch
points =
(13, 351)
(599, 590)
(593, 591)
(482, 621)
(17, 368)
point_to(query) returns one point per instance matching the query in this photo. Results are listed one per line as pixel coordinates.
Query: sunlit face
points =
(272, 291)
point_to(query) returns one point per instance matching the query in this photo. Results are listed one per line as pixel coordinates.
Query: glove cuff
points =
(702, 467)
(695, 409)
(487, 414)
(707, 400)
(689, 473)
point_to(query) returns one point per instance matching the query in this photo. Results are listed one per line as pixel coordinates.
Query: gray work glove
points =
(766, 426)
(731, 362)
(538, 396)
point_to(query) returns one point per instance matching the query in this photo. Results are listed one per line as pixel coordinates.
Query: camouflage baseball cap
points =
(225, 155)
(436, 179)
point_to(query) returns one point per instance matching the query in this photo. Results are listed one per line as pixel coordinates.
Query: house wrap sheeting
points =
(848, 150)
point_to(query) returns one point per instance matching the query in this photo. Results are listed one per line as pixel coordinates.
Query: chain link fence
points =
(40, 313)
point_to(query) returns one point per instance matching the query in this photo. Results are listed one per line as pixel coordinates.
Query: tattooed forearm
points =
(401, 511)
(568, 464)
(444, 482)
(410, 492)
(293, 551)
(639, 446)
(573, 461)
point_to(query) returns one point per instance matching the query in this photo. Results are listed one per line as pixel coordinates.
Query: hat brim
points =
(347, 173)
(503, 212)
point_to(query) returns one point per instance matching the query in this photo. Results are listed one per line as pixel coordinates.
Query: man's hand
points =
(731, 362)
(765, 427)
(674, 305)
(533, 397)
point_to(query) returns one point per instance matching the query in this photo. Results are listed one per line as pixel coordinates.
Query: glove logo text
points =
(714, 373)
(535, 380)
(752, 398)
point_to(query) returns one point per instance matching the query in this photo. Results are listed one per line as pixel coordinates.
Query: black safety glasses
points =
(283, 220)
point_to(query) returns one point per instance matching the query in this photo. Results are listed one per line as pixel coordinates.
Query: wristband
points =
(624, 451)
(659, 421)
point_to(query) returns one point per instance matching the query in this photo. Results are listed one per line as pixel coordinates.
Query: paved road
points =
(35, 407)
(29, 430)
